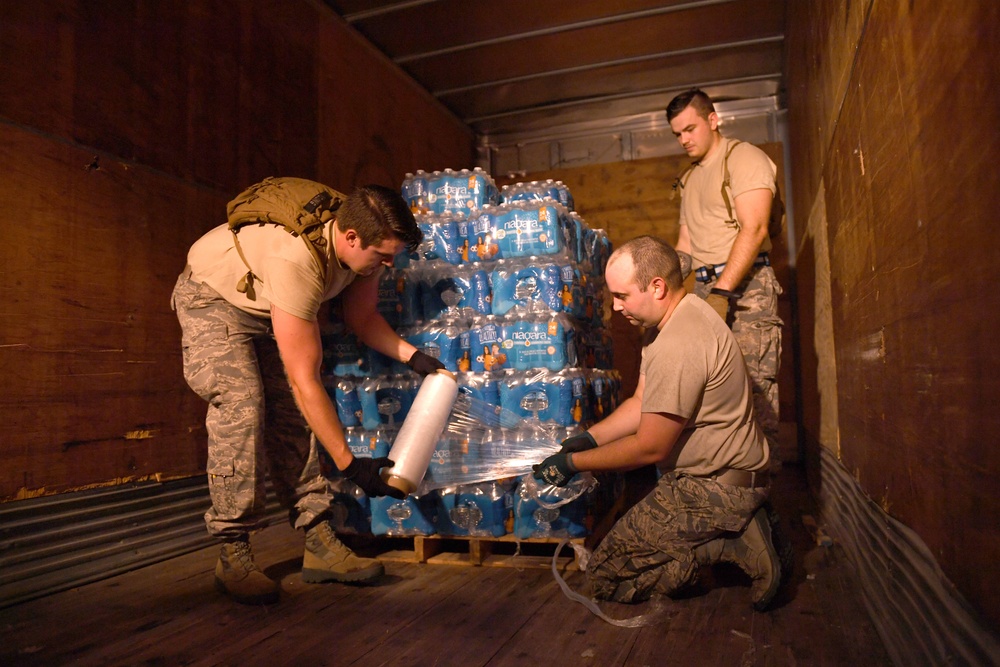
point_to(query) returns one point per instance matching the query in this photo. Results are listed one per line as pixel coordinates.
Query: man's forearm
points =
(622, 422)
(742, 256)
(321, 415)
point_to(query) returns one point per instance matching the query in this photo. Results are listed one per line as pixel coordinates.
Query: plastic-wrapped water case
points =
(345, 398)
(440, 340)
(538, 190)
(414, 515)
(604, 389)
(460, 191)
(483, 387)
(578, 234)
(486, 345)
(450, 292)
(385, 401)
(441, 238)
(539, 341)
(342, 352)
(487, 443)
(379, 364)
(547, 396)
(594, 347)
(550, 511)
(351, 510)
(571, 291)
(452, 455)
(530, 191)
(415, 191)
(597, 249)
(565, 196)
(476, 510)
(529, 228)
(528, 284)
(481, 235)
(399, 298)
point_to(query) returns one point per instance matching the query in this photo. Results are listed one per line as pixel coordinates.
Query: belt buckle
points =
(707, 272)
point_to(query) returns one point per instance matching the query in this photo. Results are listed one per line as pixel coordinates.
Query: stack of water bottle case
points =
(507, 291)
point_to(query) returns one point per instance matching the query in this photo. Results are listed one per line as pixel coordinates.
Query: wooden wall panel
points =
(126, 126)
(91, 349)
(912, 148)
(821, 39)
(223, 93)
(397, 129)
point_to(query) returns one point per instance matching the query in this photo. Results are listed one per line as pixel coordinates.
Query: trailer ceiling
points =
(514, 66)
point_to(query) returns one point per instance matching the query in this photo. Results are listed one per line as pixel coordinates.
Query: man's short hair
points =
(694, 97)
(652, 257)
(375, 212)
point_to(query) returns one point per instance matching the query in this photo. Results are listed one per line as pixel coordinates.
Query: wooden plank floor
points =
(170, 614)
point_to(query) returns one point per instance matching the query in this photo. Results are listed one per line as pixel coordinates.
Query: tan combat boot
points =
(328, 559)
(753, 551)
(238, 576)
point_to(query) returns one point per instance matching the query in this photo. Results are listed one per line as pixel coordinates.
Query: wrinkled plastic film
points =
(553, 497)
(483, 442)
(633, 622)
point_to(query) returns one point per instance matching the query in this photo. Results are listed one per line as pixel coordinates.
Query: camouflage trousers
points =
(254, 426)
(757, 329)
(651, 548)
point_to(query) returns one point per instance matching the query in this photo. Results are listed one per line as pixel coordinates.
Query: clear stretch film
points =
(411, 452)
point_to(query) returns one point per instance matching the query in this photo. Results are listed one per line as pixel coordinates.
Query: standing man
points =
(726, 198)
(248, 303)
(692, 415)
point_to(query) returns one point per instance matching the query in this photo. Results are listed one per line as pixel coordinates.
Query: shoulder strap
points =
(727, 185)
(681, 180)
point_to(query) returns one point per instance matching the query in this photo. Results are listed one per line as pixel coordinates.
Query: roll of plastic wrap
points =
(411, 452)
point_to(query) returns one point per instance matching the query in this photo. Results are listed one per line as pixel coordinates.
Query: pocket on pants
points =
(220, 485)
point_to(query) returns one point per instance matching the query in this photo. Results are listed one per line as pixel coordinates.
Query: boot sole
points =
(266, 598)
(370, 573)
(765, 527)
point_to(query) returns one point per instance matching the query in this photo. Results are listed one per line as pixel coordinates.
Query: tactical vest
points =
(300, 206)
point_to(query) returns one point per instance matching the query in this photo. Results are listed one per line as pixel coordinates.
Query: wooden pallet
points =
(505, 551)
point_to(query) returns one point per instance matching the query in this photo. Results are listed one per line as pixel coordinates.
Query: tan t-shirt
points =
(694, 369)
(703, 209)
(288, 272)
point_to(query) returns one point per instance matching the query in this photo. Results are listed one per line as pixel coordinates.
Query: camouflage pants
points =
(757, 329)
(651, 548)
(254, 426)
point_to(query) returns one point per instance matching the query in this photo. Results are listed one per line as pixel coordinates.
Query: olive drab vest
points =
(300, 206)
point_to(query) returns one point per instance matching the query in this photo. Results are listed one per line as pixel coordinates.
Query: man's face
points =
(366, 261)
(695, 134)
(628, 299)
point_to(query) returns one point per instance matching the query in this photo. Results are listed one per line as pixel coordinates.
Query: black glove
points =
(423, 363)
(578, 443)
(556, 470)
(365, 473)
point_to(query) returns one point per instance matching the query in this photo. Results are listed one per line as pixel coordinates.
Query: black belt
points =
(707, 273)
(744, 478)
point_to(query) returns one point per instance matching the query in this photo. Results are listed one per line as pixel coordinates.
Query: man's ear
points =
(659, 288)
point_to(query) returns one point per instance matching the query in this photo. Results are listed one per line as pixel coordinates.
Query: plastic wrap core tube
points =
(418, 436)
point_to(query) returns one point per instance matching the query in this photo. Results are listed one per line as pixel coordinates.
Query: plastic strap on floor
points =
(582, 557)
